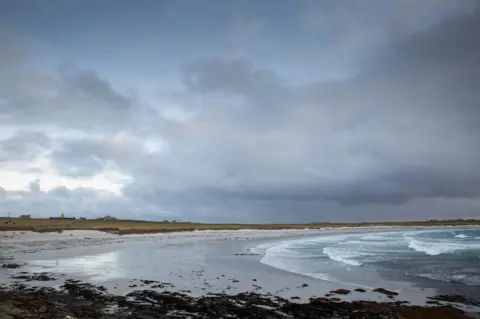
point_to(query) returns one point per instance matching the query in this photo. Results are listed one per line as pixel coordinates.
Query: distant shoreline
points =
(123, 227)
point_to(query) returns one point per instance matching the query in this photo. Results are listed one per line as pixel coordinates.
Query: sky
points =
(240, 111)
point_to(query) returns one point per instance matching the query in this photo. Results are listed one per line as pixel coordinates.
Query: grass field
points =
(139, 227)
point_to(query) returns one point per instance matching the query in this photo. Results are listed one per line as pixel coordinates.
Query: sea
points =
(446, 255)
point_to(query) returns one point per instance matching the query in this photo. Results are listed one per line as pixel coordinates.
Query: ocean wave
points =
(261, 249)
(343, 255)
(437, 248)
(282, 245)
(336, 257)
(282, 256)
(279, 255)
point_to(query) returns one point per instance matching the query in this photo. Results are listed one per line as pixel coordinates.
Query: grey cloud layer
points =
(398, 138)
(66, 97)
(405, 129)
(23, 146)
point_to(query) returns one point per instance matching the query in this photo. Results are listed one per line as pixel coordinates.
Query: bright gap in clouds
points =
(18, 181)
(17, 175)
(14, 178)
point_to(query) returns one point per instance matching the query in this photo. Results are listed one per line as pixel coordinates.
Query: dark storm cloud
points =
(404, 129)
(393, 133)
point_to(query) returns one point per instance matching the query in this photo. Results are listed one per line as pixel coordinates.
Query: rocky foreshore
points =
(82, 300)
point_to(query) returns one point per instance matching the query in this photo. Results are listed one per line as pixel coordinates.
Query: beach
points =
(199, 263)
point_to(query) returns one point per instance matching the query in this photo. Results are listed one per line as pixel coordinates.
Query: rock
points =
(359, 290)
(35, 277)
(84, 300)
(457, 299)
(386, 292)
(11, 265)
(340, 292)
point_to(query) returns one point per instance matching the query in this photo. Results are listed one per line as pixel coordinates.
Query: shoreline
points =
(200, 262)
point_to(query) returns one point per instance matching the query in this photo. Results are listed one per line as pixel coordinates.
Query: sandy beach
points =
(192, 263)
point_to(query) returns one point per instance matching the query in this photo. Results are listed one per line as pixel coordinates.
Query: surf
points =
(333, 257)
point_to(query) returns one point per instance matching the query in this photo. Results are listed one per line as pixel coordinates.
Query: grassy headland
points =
(141, 227)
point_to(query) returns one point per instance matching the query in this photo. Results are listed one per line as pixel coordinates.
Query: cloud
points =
(398, 138)
(235, 76)
(122, 151)
(402, 130)
(244, 33)
(374, 22)
(90, 86)
(79, 201)
(65, 97)
(24, 146)
(13, 51)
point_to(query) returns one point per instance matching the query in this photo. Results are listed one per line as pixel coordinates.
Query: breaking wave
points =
(434, 249)
(331, 256)
(343, 256)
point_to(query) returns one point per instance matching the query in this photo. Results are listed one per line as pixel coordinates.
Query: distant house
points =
(108, 217)
(25, 216)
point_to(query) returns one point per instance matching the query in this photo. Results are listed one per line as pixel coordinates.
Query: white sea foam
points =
(262, 249)
(335, 255)
(283, 256)
(343, 255)
(438, 248)
(279, 256)
(431, 249)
